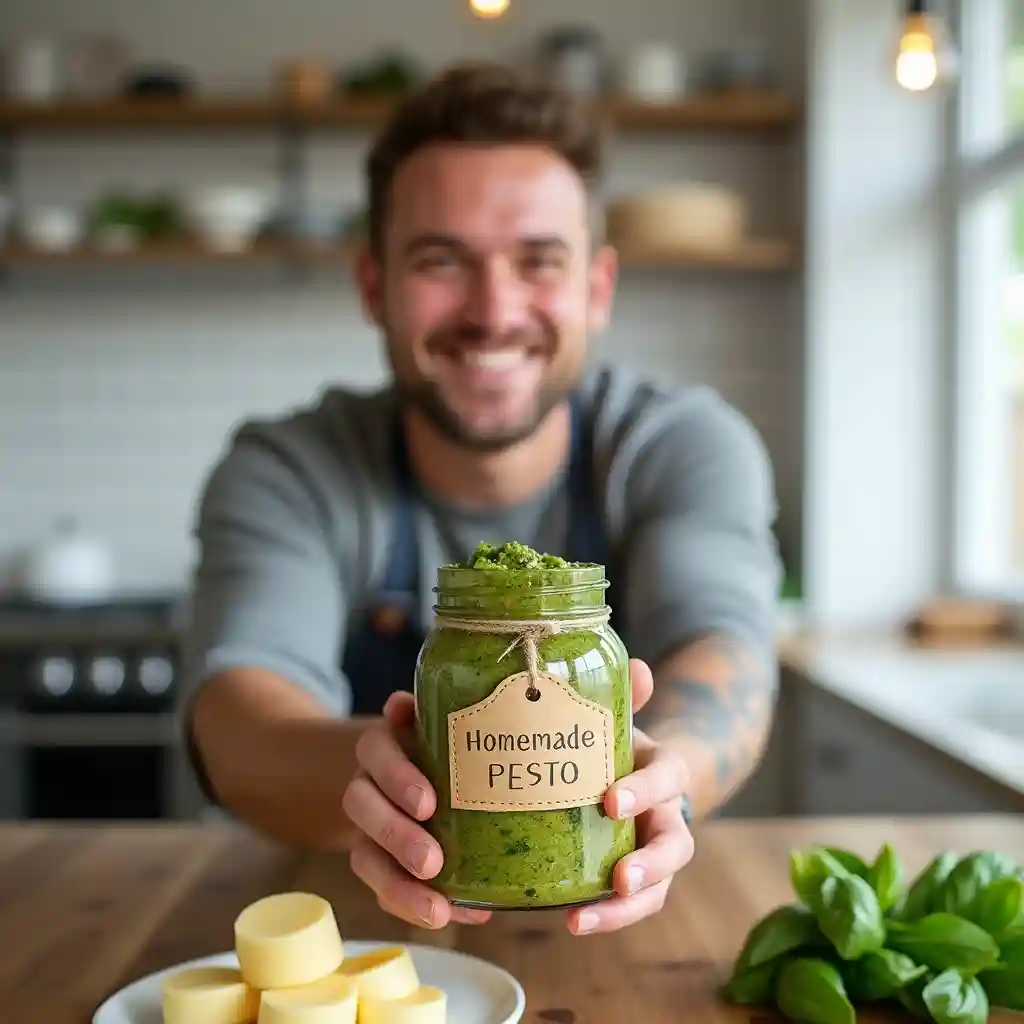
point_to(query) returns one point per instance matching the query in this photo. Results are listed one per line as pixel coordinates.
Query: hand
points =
(652, 794)
(394, 856)
(385, 800)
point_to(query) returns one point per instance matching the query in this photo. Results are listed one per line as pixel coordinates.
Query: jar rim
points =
(575, 589)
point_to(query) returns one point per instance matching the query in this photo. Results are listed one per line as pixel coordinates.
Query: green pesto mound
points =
(512, 555)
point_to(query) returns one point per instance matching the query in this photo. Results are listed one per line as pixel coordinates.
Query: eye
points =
(543, 262)
(439, 260)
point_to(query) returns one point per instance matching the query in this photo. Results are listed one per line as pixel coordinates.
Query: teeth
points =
(495, 359)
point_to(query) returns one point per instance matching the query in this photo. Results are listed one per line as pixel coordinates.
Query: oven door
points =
(94, 767)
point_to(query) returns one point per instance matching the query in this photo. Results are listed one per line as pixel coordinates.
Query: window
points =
(990, 300)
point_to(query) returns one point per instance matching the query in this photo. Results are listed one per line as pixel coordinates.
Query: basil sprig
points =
(946, 945)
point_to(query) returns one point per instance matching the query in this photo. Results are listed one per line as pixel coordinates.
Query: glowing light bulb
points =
(917, 65)
(489, 8)
(925, 56)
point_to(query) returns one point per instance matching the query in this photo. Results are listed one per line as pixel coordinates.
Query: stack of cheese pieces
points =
(293, 970)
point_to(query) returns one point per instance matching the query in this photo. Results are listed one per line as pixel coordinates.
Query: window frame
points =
(982, 161)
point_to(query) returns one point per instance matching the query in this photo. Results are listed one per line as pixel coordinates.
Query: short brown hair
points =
(484, 104)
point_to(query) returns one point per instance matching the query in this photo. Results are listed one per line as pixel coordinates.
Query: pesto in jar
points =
(522, 858)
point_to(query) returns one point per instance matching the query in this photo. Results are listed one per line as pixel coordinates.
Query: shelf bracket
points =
(292, 179)
(8, 190)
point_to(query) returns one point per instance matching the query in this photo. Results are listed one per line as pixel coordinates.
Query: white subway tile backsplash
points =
(118, 418)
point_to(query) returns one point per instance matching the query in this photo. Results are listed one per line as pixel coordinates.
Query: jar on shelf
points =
(524, 719)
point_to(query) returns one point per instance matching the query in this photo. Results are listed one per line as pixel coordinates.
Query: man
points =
(321, 532)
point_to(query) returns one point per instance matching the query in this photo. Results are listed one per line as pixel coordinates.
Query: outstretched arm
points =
(713, 704)
(704, 575)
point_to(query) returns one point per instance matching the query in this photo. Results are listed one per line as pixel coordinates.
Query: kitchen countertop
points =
(965, 700)
(87, 910)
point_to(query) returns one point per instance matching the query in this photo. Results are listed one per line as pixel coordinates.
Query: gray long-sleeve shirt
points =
(294, 522)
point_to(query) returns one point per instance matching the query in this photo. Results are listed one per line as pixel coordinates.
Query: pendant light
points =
(488, 8)
(925, 55)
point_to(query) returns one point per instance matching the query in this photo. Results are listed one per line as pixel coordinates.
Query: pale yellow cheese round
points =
(287, 940)
(385, 973)
(331, 1000)
(427, 1005)
(209, 995)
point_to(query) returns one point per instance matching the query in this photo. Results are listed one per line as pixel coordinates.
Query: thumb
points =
(642, 682)
(400, 709)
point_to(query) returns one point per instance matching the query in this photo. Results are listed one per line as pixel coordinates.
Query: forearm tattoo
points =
(723, 698)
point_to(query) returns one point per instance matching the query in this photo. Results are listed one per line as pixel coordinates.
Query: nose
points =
(498, 299)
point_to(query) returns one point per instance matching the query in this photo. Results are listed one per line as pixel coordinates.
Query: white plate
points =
(478, 992)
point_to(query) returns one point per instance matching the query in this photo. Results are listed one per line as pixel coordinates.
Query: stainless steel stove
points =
(115, 657)
(87, 696)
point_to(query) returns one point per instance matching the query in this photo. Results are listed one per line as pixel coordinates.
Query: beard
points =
(428, 396)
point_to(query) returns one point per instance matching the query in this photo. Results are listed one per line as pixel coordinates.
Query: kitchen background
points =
(813, 301)
(115, 417)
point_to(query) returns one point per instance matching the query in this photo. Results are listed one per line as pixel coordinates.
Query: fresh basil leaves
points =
(946, 945)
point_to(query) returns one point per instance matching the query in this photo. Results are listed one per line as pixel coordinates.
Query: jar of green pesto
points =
(524, 718)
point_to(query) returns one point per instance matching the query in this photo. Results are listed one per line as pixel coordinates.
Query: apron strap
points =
(402, 566)
(587, 538)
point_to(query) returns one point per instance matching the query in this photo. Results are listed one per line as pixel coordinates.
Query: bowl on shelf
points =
(52, 228)
(227, 218)
(682, 216)
(116, 238)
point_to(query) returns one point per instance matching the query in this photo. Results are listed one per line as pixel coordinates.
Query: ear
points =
(602, 275)
(369, 276)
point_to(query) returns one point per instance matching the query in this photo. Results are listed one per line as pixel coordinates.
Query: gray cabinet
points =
(826, 756)
(847, 761)
(771, 789)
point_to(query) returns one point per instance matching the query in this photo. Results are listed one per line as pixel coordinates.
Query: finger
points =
(397, 893)
(400, 713)
(642, 682)
(667, 848)
(662, 778)
(372, 813)
(383, 759)
(457, 915)
(618, 912)
(470, 915)
(400, 709)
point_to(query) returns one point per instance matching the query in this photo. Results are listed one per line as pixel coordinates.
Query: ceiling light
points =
(489, 8)
(925, 55)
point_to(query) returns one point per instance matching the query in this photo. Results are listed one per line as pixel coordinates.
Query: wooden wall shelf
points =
(181, 253)
(752, 111)
(755, 255)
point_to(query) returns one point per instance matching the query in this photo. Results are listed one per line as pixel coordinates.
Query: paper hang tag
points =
(511, 753)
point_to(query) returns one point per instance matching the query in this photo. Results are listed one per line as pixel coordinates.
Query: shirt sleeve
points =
(700, 548)
(267, 589)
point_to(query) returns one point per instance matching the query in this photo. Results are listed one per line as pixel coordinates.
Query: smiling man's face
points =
(488, 289)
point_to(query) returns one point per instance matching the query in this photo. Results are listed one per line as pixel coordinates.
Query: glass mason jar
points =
(518, 856)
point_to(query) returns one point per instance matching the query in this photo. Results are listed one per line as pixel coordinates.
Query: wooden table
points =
(85, 910)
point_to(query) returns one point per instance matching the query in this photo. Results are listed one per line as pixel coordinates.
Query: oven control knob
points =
(156, 675)
(107, 675)
(56, 676)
